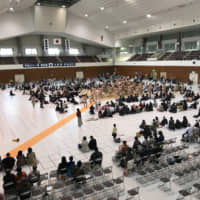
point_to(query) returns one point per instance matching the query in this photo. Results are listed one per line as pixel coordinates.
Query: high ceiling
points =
(15, 5)
(111, 14)
(63, 3)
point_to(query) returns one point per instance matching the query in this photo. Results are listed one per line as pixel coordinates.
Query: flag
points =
(67, 44)
(46, 44)
(57, 41)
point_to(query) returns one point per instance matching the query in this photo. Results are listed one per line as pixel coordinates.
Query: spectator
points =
(92, 143)
(62, 167)
(8, 162)
(31, 158)
(96, 158)
(9, 182)
(84, 145)
(34, 175)
(124, 147)
(21, 160)
(19, 176)
(71, 166)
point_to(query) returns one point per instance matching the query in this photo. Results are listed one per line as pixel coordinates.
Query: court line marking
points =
(42, 135)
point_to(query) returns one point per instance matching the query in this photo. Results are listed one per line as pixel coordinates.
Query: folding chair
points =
(53, 177)
(99, 191)
(134, 193)
(44, 179)
(119, 182)
(78, 195)
(165, 184)
(25, 195)
(108, 172)
(98, 175)
(11, 197)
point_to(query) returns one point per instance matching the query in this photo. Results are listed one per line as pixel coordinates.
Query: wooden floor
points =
(53, 135)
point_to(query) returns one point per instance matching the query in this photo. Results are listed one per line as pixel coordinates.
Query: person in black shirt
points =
(92, 143)
(8, 162)
(96, 158)
(9, 182)
(62, 167)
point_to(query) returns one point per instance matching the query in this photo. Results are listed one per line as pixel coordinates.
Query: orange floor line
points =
(36, 139)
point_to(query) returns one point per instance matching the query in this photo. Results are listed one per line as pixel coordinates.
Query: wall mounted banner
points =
(49, 65)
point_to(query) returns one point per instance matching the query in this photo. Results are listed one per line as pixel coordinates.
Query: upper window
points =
(169, 47)
(152, 48)
(6, 51)
(73, 51)
(53, 51)
(190, 45)
(31, 52)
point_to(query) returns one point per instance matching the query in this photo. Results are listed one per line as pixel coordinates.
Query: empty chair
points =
(134, 193)
(25, 195)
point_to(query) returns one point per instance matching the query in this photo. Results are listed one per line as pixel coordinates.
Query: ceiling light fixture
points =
(124, 22)
(11, 9)
(86, 15)
(107, 27)
(102, 8)
(38, 4)
(148, 15)
(63, 6)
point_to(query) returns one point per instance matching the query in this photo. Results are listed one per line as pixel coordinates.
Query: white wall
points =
(82, 28)
(31, 41)
(50, 19)
(16, 24)
(10, 43)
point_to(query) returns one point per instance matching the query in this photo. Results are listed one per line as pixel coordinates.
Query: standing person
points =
(78, 114)
(114, 132)
(31, 158)
(33, 100)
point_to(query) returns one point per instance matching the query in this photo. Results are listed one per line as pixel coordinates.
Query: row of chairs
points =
(154, 171)
(52, 185)
(160, 158)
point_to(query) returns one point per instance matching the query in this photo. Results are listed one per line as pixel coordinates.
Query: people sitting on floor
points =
(188, 134)
(96, 158)
(161, 137)
(164, 121)
(84, 145)
(171, 124)
(143, 124)
(173, 108)
(178, 124)
(92, 110)
(11, 93)
(185, 122)
(92, 143)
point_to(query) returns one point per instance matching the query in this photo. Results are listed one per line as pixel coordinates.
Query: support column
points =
(179, 40)
(19, 47)
(144, 45)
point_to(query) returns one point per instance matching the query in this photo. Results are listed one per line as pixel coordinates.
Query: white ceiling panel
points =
(16, 4)
(134, 11)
